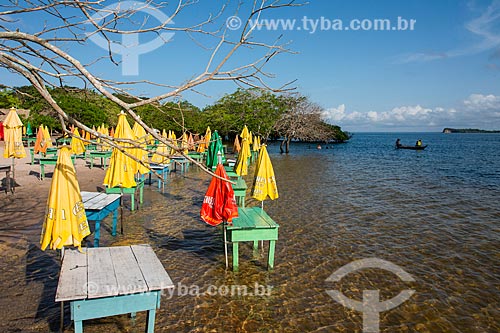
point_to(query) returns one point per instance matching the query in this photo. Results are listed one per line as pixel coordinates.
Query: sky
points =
(436, 65)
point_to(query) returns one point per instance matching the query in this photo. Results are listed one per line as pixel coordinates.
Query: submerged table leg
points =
(272, 245)
(97, 233)
(235, 256)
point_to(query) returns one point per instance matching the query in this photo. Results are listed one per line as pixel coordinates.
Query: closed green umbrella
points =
(29, 130)
(214, 149)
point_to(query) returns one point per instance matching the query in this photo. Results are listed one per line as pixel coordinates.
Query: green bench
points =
(252, 224)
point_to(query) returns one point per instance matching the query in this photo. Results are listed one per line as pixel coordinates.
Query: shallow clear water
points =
(434, 213)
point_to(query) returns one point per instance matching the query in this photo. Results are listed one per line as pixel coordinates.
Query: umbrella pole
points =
(61, 324)
(121, 211)
(225, 243)
(12, 184)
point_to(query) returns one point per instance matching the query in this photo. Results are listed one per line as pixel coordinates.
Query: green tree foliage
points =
(256, 108)
(265, 114)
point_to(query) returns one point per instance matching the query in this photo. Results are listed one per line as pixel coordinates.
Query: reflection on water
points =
(434, 213)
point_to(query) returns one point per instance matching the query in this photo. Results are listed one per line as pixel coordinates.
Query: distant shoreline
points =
(468, 130)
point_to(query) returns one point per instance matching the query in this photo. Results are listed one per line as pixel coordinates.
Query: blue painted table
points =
(108, 281)
(182, 161)
(162, 170)
(99, 205)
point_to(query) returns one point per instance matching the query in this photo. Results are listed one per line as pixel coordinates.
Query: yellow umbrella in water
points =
(141, 153)
(241, 166)
(121, 170)
(264, 184)
(65, 222)
(77, 146)
(160, 155)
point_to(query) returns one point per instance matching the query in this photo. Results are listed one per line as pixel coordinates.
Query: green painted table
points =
(49, 160)
(108, 281)
(240, 191)
(252, 224)
(103, 155)
(129, 190)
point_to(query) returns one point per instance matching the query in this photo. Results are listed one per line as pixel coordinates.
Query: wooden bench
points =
(240, 191)
(97, 207)
(252, 224)
(129, 190)
(109, 281)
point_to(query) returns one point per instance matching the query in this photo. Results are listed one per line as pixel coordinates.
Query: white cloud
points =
(477, 110)
(482, 102)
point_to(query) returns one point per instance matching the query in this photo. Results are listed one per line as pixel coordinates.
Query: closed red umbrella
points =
(219, 204)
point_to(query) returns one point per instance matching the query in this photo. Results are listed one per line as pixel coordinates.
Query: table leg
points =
(150, 321)
(115, 222)
(79, 326)
(42, 170)
(97, 233)
(132, 198)
(272, 245)
(235, 256)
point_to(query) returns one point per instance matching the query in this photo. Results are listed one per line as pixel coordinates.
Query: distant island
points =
(468, 130)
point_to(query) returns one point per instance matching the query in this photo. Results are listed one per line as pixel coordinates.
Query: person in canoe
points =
(419, 143)
(398, 143)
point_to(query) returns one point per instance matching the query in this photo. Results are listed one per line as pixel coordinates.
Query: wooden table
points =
(103, 155)
(7, 169)
(182, 161)
(252, 224)
(98, 206)
(162, 170)
(108, 281)
(240, 191)
(129, 190)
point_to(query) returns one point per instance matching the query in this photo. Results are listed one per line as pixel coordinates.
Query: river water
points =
(433, 213)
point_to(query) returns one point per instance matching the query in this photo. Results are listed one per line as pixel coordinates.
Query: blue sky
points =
(443, 73)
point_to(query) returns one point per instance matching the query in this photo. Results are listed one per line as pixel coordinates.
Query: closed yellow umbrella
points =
(241, 166)
(173, 139)
(13, 136)
(77, 146)
(121, 171)
(161, 153)
(141, 153)
(65, 222)
(184, 143)
(208, 136)
(201, 145)
(264, 184)
(47, 138)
